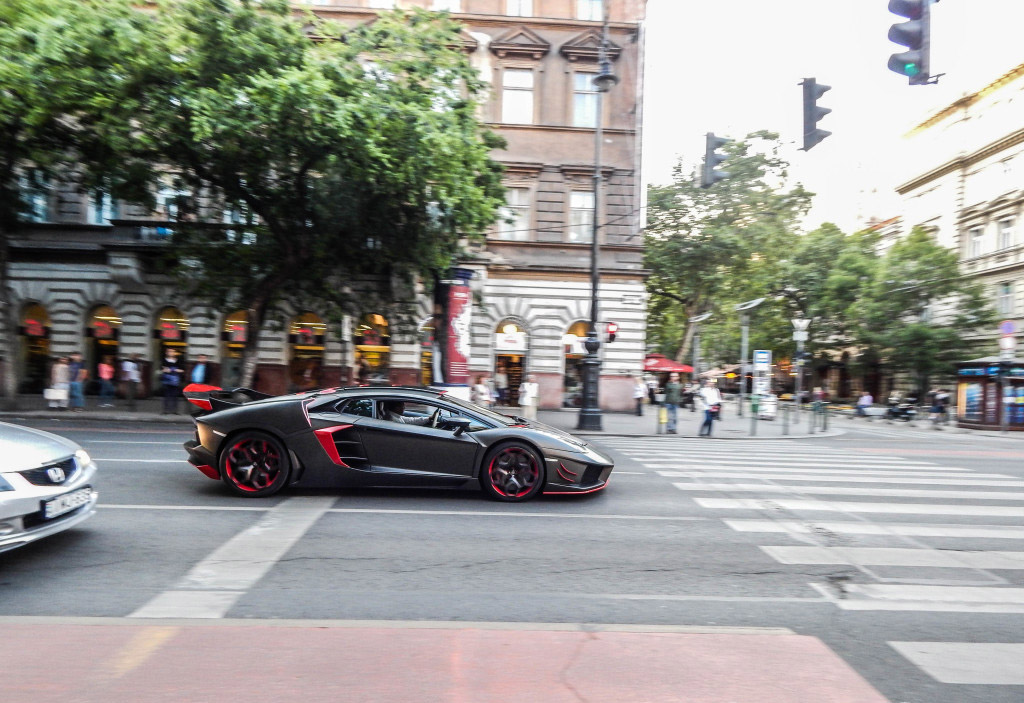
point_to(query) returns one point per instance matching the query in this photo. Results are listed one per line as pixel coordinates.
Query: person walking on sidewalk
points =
(60, 380)
(528, 397)
(639, 393)
(673, 393)
(170, 378)
(712, 400)
(78, 375)
(131, 377)
(105, 370)
(863, 403)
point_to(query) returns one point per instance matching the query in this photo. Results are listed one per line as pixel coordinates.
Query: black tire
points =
(512, 472)
(254, 464)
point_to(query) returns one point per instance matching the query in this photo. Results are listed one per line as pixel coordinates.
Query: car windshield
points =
(483, 412)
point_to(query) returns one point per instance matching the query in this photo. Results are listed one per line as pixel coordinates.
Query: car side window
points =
(448, 415)
(360, 406)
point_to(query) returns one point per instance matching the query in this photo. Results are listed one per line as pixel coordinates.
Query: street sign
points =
(1008, 343)
(800, 336)
(1007, 328)
(762, 359)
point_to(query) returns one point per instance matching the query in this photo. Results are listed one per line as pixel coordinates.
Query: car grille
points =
(41, 477)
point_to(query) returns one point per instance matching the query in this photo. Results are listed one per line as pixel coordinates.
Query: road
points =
(882, 564)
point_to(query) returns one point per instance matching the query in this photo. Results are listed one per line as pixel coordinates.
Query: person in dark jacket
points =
(171, 373)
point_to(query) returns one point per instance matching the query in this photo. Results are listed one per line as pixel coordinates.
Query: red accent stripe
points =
(567, 470)
(326, 438)
(200, 388)
(202, 403)
(208, 471)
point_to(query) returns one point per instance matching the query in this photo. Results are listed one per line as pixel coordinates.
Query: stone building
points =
(82, 276)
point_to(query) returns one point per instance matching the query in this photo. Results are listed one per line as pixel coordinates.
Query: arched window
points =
(170, 331)
(372, 338)
(34, 331)
(306, 335)
(104, 332)
(232, 342)
(574, 351)
(511, 344)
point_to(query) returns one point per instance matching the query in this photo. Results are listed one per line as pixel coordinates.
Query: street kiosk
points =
(990, 394)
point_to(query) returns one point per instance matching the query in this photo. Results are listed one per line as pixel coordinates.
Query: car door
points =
(419, 449)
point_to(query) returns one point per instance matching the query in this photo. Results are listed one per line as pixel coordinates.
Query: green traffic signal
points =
(911, 69)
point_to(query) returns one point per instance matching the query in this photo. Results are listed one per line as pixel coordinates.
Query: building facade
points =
(82, 277)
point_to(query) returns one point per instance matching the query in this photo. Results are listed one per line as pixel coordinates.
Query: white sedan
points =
(46, 485)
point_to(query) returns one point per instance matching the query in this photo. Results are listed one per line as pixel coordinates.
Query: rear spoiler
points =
(214, 398)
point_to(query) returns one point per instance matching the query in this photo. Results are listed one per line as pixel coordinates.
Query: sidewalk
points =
(730, 426)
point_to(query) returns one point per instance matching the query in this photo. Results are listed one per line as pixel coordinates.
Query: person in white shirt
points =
(529, 392)
(712, 400)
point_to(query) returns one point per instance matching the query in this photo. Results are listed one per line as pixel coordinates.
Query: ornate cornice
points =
(963, 161)
(521, 42)
(586, 47)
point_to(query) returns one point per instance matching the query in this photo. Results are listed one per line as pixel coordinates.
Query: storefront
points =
(372, 340)
(306, 346)
(170, 331)
(103, 331)
(428, 350)
(510, 346)
(990, 394)
(232, 341)
(34, 333)
(574, 353)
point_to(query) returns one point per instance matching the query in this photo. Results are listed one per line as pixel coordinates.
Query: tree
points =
(55, 77)
(334, 155)
(707, 248)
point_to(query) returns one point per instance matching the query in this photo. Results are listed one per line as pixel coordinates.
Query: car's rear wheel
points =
(512, 472)
(254, 464)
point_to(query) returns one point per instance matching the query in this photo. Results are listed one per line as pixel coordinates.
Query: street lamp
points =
(696, 320)
(590, 412)
(744, 311)
(800, 325)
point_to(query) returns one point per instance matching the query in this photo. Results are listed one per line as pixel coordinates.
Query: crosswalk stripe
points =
(788, 459)
(900, 478)
(874, 528)
(991, 663)
(850, 491)
(924, 471)
(852, 507)
(895, 556)
(959, 599)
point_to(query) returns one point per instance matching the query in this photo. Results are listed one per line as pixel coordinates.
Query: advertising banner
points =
(460, 310)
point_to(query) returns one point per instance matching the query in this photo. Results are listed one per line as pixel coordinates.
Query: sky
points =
(734, 66)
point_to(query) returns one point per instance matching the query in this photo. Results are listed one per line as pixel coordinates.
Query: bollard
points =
(785, 418)
(824, 417)
(661, 416)
(754, 408)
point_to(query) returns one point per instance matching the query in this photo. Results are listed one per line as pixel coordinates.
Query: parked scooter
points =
(900, 411)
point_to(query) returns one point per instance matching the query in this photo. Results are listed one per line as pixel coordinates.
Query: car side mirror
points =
(460, 424)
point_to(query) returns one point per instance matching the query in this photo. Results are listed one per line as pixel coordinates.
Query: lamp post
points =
(744, 310)
(590, 412)
(799, 336)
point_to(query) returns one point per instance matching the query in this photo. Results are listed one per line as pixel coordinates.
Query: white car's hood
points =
(25, 448)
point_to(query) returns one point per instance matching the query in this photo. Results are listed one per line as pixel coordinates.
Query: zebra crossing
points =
(908, 530)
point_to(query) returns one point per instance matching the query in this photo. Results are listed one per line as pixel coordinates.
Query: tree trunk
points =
(686, 345)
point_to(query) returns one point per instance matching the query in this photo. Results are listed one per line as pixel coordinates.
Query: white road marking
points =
(982, 663)
(739, 470)
(791, 461)
(847, 491)
(970, 600)
(140, 461)
(849, 507)
(875, 528)
(901, 479)
(213, 586)
(118, 441)
(896, 556)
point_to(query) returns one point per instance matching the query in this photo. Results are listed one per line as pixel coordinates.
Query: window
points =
(449, 5)
(974, 242)
(581, 216)
(590, 10)
(584, 100)
(1004, 298)
(517, 96)
(360, 406)
(1006, 233)
(102, 208)
(519, 8)
(35, 196)
(239, 214)
(382, 4)
(514, 224)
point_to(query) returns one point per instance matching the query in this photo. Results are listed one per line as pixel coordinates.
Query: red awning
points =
(660, 363)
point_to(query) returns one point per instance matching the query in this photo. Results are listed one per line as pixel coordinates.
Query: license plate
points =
(66, 503)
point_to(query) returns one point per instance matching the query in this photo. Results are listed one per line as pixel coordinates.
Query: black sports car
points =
(372, 436)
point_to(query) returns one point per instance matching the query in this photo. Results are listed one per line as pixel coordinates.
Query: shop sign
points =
(510, 341)
(460, 307)
(972, 372)
(34, 328)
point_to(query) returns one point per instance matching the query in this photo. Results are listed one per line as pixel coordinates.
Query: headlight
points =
(82, 457)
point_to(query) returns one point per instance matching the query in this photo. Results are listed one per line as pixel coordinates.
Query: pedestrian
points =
(170, 378)
(529, 397)
(480, 393)
(200, 371)
(501, 385)
(942, 399)
(60, 378)
(639, 393)
(863, 403)
(130, 377)
(712, 400)
(76, 386)
(105, 370)
(673, 392)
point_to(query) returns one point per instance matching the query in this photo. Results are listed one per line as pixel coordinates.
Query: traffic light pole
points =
(744, 328)
(799, 378)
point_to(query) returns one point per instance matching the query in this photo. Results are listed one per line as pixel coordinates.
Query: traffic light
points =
(913, 34)
(610, 331)
(812, 113)
(709, 174)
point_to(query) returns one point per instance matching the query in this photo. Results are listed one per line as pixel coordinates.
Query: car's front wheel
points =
(512, 472)
(254, 464)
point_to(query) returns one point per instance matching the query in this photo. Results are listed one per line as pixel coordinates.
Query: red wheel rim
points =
(253, 464)
(513, 472)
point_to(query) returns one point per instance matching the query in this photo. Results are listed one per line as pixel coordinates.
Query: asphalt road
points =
(896, 549)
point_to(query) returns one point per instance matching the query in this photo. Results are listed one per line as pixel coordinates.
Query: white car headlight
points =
(82, 457)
